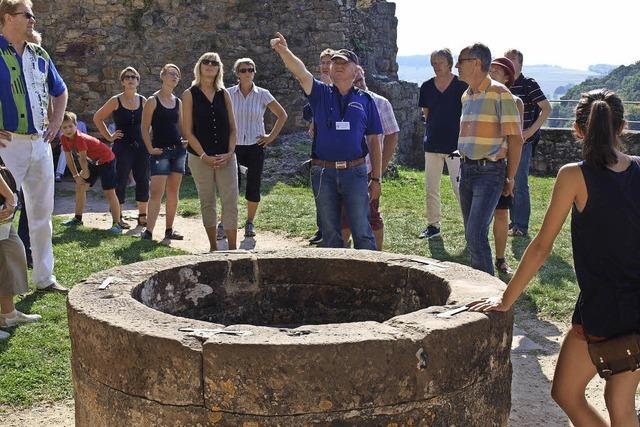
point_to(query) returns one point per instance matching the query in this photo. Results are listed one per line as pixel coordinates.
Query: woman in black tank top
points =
(128, 145)
(603, 194)
(161, 133)
(210, 128)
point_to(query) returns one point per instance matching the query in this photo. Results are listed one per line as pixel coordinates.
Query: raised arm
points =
(293, 63)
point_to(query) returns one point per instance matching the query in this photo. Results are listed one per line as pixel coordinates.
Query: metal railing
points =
(636, 123)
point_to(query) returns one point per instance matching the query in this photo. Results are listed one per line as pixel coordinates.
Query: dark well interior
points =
(291, 291)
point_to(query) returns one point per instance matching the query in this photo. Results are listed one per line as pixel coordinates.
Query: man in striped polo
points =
(28, 78)
(490, 143)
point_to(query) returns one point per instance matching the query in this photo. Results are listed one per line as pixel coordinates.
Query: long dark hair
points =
(599, 116)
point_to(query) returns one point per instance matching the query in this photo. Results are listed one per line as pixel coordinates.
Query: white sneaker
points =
(4, 335)
(19, 318)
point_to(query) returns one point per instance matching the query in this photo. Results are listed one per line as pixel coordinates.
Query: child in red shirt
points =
(96, 160)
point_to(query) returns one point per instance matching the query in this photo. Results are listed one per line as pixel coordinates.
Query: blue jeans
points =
(335, 187)
(521, 209)
(480, 189)
(172, 160)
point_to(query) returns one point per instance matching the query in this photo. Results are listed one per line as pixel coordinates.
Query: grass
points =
(34, 362)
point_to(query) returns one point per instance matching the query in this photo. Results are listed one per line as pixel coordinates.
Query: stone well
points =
(289, 338)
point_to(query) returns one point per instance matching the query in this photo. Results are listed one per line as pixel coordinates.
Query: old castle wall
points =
(91, 41)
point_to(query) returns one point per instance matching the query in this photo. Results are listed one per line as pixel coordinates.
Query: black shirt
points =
(529, 91)
(164, 125)
(210, 122)
(128, 121)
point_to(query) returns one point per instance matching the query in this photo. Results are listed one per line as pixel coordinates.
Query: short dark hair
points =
(70, 117)
(481, 52)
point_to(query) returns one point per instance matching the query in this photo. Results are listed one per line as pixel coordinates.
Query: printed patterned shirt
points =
(489, 116)
(249, 113)
(25, 85)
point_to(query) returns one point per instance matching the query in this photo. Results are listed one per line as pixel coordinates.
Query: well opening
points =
(289, 293)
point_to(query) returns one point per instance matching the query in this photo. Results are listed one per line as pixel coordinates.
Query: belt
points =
(346, 164)
(480, 161)
(31, 136)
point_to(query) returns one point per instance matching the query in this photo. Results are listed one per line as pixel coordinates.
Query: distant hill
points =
(416, 68)
(625, 80)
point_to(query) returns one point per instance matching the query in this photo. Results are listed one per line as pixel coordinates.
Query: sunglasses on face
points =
(246, 70)
(210, 62)
(27, 15)
(130, 77)
(172, 74)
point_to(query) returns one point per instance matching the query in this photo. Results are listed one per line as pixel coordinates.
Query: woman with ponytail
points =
(603, 194)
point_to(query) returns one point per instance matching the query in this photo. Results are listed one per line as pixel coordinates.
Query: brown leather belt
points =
(346, 164)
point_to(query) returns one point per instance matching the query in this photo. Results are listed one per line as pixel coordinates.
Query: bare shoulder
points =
(186, 94)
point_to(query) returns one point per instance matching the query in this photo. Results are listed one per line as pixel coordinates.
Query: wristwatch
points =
(374, 179)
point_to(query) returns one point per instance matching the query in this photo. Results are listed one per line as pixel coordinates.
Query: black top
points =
(128, 121)
(443, 121)
(164, 125)
(210, 122)
(606, 251)
(529, 91)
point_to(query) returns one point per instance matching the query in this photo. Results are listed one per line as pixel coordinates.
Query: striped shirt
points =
(249, 113)
(489, 116)
(529, 91)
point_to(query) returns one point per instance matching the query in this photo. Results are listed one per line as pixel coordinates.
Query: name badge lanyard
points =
(343, 106)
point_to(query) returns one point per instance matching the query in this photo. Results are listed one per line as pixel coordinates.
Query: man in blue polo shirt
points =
(27, 79)
(347, 127)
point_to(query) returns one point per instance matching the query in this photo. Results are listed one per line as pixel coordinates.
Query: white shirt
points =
(249, 113)
(387, 119)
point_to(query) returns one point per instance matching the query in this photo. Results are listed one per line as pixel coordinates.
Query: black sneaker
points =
(171, 234)
(316, 239)
(146, 235)
(249, 230)
(430, 232)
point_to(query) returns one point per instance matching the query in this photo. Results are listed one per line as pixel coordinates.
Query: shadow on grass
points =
(438, 251)
(133, 252)
(85, 237)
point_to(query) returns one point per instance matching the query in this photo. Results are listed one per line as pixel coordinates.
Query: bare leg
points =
(573, 372)
(211, 234)
(500, 231)
(114, 205)
(173, 191)
(142, 211)
(379, 235)
(6, 305)
(346, 235)
(158, 183)
(232, 237)
(619, 395)
(81, 198)
(252, 207)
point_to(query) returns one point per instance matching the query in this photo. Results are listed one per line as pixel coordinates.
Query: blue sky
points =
(570, 33)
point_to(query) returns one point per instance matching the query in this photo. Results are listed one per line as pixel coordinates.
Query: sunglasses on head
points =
(130, 77)
(210, 62)
(27, 15)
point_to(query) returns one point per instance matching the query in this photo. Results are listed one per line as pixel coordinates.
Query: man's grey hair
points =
(481, 52)
(516, 53)
(443, 53)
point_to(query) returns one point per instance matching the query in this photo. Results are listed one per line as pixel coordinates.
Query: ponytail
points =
(599, 116)
(600, 138)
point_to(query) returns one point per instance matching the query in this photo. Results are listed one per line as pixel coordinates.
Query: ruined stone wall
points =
(91, 41)
(559, 146)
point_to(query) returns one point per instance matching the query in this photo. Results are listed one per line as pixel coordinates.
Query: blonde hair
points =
(129, 68)
(327, 52)
(218, 83)
(167, 66)
(10, 6)
(240, 61)
(70, 117)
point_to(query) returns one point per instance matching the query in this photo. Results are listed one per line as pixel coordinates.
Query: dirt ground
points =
(535, 346)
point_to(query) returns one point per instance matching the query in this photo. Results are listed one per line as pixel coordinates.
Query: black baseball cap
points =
(347, 55)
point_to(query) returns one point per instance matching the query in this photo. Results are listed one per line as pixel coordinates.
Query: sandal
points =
(170, 233)
(142, 222)
(123, 224)
(502, 266)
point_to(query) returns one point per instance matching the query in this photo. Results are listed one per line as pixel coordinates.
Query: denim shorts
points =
(107, 174)
(171, 160)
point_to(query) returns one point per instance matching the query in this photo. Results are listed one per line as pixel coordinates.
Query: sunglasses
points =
(246, 70)
(27, 15)
(210, 62)
(172, 74)
(130, 77)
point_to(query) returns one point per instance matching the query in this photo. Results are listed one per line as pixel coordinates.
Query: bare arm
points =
(55, 121)
(514, 150)
(545, 111)
(275, 107)
(233, 132)
(565, 191)
(101, 115)
(425, 112)
(71, 164)
(375, 155)
(84, 165)
(9, 206)
(293, 63)
(389, 144)
(145, 125)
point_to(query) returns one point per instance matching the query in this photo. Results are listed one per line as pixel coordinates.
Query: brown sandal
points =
(141, 222)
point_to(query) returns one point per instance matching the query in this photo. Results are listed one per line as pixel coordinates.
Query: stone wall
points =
(92, 41)
(559, 146)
